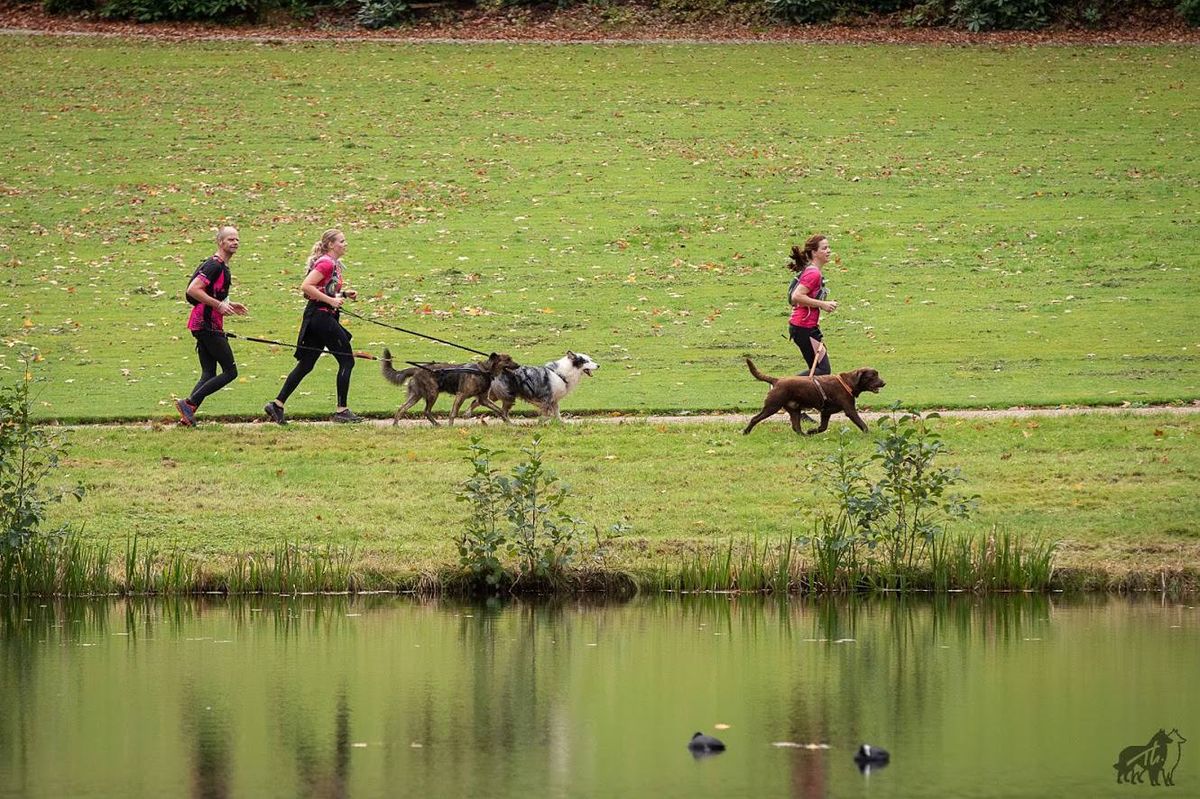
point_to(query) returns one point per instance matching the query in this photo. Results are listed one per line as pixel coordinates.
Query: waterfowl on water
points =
(871, 754)
(706, 743)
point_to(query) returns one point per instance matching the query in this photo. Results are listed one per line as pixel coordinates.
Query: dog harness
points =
(821, 390)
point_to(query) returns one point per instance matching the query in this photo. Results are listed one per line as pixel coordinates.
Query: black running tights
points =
(213, 349)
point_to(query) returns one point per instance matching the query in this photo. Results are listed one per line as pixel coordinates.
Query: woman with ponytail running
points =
(321, 328)
(807, 297)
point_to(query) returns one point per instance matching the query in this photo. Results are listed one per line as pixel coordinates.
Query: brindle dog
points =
(828, 394)
(463, 380)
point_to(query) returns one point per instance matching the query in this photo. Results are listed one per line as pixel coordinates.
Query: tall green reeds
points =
(292, 568)
(763, 566)
(69, 566)
(63, 566)
(834, 562)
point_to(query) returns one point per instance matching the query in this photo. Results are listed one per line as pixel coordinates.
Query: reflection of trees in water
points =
(30, 630)
(501, 696)
(208, 736)
(500, 692)
(321, 773)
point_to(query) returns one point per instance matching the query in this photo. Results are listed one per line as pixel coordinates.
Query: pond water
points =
(1016, 696)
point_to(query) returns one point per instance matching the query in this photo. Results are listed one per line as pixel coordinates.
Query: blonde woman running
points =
(321, 328)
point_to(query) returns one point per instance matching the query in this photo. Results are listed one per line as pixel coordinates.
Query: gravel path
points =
(733, 419)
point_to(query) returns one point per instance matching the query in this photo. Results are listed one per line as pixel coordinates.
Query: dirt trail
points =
(733, 419)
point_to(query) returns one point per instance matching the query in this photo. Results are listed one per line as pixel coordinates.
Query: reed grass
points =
(70, 566)
(56, 565)
(985, 562)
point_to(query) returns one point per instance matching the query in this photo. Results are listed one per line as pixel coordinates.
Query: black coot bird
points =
(706, 743)
(868, 757)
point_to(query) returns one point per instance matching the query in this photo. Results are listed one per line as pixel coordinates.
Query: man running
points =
(208, 293)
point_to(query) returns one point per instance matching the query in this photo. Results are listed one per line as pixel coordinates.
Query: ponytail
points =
(801, 258)
(322, 246)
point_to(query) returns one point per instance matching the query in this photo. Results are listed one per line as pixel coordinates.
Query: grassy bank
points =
(1118, 494)
(1021, 237)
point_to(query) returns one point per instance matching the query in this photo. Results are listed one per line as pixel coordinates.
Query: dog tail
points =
(753, 370)
(392, 375)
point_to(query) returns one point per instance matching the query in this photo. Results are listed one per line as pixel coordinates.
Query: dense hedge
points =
(972, 15)
(982, 15)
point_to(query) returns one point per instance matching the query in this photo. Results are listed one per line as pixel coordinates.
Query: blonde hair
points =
(323, 245)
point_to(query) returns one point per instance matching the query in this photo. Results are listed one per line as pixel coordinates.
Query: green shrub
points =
(28, 455)
(520, 515)
(1190, 11)
(984, 15)
(483, 539)
(67, 6)
(183, 10)
(878, 6)
(899, 515)
(376, 14)
(928, 14)
(34, 559)
(803, 11)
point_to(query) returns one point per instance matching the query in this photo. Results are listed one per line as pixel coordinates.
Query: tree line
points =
(971, 15)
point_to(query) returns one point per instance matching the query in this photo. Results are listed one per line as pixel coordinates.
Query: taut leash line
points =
(412, 332)
(366, 356)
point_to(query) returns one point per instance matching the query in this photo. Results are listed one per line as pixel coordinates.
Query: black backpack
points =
(187, 296)
(822, 291)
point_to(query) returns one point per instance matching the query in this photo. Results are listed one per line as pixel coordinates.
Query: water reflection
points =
(340, 696)
(210, 756)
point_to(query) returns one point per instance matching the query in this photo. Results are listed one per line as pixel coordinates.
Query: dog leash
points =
(345, 310)
(366, 356)
(816, 382)
(426, 367)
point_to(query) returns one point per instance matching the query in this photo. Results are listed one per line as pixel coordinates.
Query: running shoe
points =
(275, 413)
(187, 412)
(346, 417)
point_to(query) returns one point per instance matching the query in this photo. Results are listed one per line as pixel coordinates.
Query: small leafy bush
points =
(520, 515)
(1190, 11)
(376, 14)
(183, 10)
(803, 11)
(67, 6)
(985, 15)
(484, 535)
(893, 506)
(28, 455)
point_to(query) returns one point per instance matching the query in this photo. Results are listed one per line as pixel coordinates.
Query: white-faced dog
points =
(543, 386)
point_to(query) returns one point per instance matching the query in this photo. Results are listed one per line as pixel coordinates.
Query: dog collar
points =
(843, 382)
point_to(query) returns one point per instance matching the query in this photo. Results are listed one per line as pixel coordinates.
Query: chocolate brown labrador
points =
(828, 394)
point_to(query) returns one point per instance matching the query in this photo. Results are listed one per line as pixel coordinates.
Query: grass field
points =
(1013, 225)
(1122, 493)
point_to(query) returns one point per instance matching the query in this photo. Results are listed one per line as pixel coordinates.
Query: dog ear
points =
(570, 355)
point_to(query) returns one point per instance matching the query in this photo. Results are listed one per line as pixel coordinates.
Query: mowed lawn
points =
(1014, 226)
(1119, 491)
